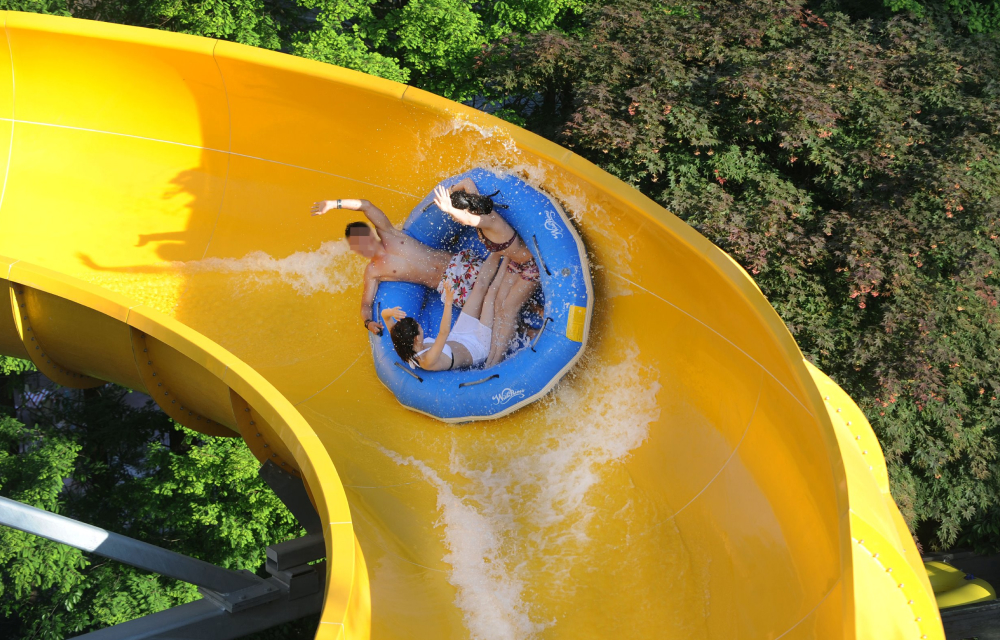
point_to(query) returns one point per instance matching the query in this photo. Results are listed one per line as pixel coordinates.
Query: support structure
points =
(234, 603)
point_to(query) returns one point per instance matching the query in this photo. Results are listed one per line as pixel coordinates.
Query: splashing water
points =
(460, 124)
(493, 149)
(489, 596)
(327, 269)
(520, 521)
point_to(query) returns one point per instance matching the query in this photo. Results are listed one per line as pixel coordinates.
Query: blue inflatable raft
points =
(528, 374)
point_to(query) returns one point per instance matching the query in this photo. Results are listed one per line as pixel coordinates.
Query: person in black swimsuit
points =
(466, 206)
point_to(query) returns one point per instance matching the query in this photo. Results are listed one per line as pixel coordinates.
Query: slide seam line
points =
(381, 486)
(707, 326)
(195, 146)
(329, 383)
(811, 611)
(753, 414)
(386, 549)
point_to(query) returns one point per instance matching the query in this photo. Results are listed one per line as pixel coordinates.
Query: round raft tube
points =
(529, 373)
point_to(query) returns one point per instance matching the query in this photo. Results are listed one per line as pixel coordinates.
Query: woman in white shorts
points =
(465, 345)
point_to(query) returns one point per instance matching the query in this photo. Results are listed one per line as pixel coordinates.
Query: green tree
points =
(973, 16)
(431, 43)
(36, 576)
(51, 7)
(852, 167)
(338, 37)
(96, 458)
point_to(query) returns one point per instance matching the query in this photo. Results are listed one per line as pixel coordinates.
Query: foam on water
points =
(489, 595)
(331, 268)
(460, 124)
(515, 512)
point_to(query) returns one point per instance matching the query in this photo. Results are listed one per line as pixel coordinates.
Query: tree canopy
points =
(95, 457)
(431, 43)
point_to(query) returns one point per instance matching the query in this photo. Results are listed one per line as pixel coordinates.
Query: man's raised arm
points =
(367, 298)
(373, 213)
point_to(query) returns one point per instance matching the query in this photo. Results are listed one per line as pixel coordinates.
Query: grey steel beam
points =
(292, 492)
(296, 551)
(132, 552)
(205, 620)
(235, 603)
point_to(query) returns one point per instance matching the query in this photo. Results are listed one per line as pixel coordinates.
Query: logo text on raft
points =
(507, 395)
(552, 226)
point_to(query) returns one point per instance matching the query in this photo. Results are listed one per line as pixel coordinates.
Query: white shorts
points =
(474, 336)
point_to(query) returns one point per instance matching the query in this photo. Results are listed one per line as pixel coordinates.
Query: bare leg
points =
(506, 282)
(489, 304)
(474, 303)
(518, 290)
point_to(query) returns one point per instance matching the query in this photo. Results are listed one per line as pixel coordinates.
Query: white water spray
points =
(331, 268)
(524, 516)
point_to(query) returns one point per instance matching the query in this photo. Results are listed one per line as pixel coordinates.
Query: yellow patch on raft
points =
(575, 323)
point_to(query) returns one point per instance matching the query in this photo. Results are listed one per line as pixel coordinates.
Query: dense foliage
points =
(431, 43)
(95, 457)
(851, 166)
(975, 16)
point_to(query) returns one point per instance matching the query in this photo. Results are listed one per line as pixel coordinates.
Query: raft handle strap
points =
(539, 336)
(472, 384)
(538, 252)
(405, 370)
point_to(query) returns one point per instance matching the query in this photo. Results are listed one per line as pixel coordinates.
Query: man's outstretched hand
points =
(321, 207)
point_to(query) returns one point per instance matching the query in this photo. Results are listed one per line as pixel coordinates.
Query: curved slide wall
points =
(693, 477)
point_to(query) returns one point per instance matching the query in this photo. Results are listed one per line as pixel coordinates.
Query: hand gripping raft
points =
(479, 394)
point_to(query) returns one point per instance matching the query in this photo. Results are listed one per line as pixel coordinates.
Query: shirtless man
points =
(395, 256)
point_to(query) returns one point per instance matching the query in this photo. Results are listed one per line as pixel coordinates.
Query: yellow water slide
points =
(693, 477)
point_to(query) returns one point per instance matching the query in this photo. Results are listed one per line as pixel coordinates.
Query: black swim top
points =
(493, 247)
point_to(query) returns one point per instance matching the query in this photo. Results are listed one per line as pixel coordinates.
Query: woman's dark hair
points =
(357, 229)
(403, 334)
(475, 203)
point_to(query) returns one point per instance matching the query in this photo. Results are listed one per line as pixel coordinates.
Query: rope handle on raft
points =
(472, 384)
(539, 336)
(405, 370)
(538, 252)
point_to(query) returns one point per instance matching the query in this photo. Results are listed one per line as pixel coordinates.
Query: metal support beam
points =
(235, 603)
(132, 552)
(292, 492)
(297, 551)
(205, 620)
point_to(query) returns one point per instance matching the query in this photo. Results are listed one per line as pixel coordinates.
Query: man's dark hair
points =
(403, 335)
(475, 203)
(357, 229)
